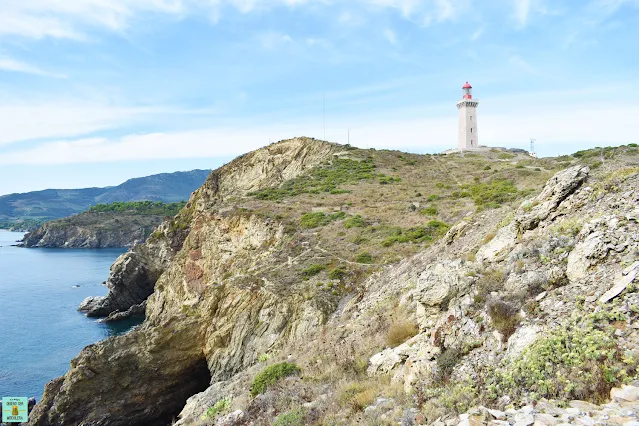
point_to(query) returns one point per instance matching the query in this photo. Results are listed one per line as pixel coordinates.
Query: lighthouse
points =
(468, 138)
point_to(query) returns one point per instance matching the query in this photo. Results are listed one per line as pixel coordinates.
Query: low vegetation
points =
(490, 194)
(140, 207)
(400, 331)
(271, 375)
(313, 270)
(219, 407)
(578, 361)
(417, 234)
(317, 219)
(325, 179)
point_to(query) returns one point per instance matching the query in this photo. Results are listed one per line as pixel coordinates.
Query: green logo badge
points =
(15, 410)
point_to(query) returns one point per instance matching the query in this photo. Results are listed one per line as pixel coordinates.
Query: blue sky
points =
(93, 92)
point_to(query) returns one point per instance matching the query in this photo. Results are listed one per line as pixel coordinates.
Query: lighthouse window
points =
(471, 130)
(471, 118)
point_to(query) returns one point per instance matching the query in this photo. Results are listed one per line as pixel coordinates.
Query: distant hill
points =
(104, 226)
(51, 204)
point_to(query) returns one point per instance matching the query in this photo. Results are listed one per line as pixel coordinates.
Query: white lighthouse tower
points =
(468, 138)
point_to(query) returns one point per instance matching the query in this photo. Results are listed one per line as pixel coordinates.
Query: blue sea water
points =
(40, 327)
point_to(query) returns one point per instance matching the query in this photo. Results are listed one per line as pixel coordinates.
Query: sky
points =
(93, 92)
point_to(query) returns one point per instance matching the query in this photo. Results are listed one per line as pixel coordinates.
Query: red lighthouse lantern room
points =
(468, 91)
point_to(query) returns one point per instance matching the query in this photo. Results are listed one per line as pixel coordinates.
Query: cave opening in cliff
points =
(194, 381)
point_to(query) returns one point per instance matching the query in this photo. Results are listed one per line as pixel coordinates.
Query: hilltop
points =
(315, 283)
(29, 210)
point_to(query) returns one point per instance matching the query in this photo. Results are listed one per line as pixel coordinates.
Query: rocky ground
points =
(308, 282)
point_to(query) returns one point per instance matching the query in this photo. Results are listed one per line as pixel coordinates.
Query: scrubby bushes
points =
(504, 316)
(316, 219)
(140, 208)
(326, 179)
(493, 193)
(313, 270)
(219, 407)
(364, 257)
(429, 211)
(354, 222)
(446, 362)
(294, 417)
(337, 273)
(271, 375)
(400, 331)
(418, 234)
(578, 361)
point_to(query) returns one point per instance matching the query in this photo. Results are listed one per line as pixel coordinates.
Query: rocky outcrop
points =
(216, 304)
(93, 230)
(134, 274)
(622, 410)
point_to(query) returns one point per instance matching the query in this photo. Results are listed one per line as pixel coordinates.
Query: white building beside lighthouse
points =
(468, 138)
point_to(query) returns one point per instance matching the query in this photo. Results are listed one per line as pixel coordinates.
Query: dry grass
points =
(400, 331)
(504, 316)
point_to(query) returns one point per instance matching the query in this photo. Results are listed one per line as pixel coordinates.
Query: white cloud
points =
(522, 10)
(587, 124)
(14, 65)
(390, 36)
(272, 40)
(73, 19)
(69, 118)
(521, 64)
(478, 33)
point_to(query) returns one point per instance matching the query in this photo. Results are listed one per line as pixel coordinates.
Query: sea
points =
(41, 330)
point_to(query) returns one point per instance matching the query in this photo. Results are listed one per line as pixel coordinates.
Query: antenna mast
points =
(324, 115)
(532, 147)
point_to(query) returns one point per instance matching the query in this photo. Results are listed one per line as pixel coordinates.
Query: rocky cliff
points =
(134, 274)
(344, 262)
(93, 230)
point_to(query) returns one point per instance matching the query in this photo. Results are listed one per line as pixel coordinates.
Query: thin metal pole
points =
(324, 116)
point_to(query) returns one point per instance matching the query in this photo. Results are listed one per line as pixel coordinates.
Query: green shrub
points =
(364, 257)
(505, 156)
(580, 360)
(316, 219)
(430, 211)
(354, 222)
(271, 375)
(446, 362)
(493, 193)
(337, 273)
(219, 407)
(294, 417)
(487, 168)
(140, 208)
(385, 180)
(418, 234)
(323, 179)
(433, 197)
(265, 357)
(313, 270)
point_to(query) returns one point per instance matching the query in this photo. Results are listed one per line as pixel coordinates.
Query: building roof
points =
(467, 86)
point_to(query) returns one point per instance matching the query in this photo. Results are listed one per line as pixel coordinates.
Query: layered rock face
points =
(134, 274)
(93, 230)
(215, 306)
